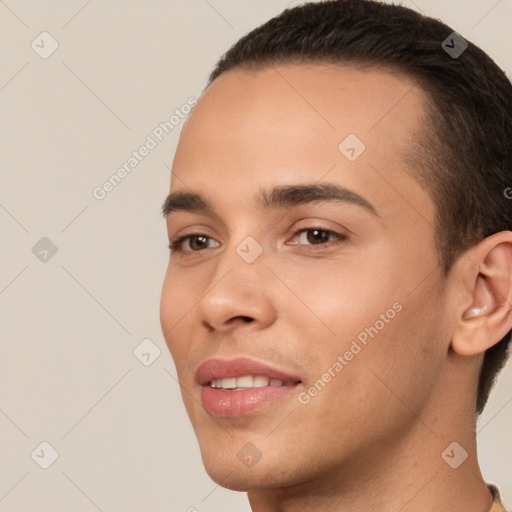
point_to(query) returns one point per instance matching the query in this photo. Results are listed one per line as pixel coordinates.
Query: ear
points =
(483, 304)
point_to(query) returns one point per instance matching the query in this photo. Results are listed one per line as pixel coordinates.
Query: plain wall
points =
(70, 323)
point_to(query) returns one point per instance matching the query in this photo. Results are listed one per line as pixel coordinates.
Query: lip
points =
(238, 367)
(222, 402)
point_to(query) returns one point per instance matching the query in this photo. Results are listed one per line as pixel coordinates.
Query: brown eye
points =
(318, 236)
(196, 242)
(315, 236)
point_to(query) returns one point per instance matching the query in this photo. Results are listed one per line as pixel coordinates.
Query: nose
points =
(239, 295)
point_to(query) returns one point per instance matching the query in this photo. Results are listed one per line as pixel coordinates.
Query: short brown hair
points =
(465, 162)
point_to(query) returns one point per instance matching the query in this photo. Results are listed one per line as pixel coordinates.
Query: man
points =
(338, 296)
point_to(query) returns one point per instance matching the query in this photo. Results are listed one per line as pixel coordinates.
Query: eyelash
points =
(176, 244)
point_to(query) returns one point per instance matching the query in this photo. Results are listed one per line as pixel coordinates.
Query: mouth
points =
(237, 387)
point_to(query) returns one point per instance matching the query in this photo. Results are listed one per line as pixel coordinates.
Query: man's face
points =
(342, 300)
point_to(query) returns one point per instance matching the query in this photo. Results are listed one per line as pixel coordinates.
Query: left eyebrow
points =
(283, 196)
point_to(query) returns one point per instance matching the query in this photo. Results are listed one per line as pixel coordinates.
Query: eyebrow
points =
(283, 196)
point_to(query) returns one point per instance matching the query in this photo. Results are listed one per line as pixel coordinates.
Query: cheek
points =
(369, 314)
(402, 363)
(339, 299)
(176, 306)
(353, 318)
(167, 300)
(378, 382)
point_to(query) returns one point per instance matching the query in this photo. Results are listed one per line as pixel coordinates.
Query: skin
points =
(372, 439)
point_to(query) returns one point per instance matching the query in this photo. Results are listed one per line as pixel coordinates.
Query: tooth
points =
(246, 381)
(228, 383)
(260, 381)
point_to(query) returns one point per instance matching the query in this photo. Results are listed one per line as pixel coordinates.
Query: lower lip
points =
(225, 402)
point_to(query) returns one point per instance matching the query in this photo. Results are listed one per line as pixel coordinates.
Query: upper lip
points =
(238, 367)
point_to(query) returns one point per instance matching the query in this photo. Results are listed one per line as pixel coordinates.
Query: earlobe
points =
(486, 315)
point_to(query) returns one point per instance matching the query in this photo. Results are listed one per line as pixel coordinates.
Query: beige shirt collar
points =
(497, 506)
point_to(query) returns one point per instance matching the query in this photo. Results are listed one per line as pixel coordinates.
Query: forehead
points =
(331, 98)
(295, 123)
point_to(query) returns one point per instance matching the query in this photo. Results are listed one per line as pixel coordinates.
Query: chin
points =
(246, 480)
(267, 473)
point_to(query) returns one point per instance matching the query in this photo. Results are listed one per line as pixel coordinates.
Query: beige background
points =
(70, 324)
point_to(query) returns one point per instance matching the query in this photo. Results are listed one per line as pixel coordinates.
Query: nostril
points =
(247, 319)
